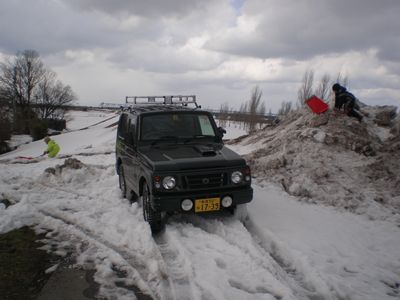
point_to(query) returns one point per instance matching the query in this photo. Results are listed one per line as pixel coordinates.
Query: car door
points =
(121, 135)
(131, 159)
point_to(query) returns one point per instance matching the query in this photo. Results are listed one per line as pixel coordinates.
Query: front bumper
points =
(172, 203)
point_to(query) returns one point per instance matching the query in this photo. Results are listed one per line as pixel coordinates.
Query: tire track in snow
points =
(270, 259)
(180, 284)
(136, 263)
(304, 288)
(221, 243)
(177, 267)
(157, 286)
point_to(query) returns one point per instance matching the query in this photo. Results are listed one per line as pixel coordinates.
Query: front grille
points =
(202, 181)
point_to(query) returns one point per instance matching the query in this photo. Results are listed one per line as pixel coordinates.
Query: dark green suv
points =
(173, 159)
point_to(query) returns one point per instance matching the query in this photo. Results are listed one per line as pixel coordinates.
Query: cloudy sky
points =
(216, 49)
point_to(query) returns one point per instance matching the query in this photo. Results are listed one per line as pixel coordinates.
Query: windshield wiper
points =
(165, 138)
(194, 137)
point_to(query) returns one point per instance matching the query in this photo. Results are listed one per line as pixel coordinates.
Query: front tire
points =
(150, 215)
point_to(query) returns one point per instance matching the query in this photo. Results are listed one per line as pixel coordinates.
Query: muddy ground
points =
(23, 271)
(22, 265)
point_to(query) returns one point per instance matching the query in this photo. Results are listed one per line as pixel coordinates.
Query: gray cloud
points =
(217, 49)
(305, 28)
(390, 49)
(49, 27)
(148, 8)
(156, 57)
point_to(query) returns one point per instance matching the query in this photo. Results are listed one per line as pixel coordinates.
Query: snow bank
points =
(331, 159)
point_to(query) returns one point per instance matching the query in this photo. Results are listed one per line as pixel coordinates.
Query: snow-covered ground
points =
(285, 250)
(80, 119)
(233, 129)
(17, 140)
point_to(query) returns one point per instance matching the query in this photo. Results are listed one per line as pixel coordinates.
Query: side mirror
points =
(221, 131)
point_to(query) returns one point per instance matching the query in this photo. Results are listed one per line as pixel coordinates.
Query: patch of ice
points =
(51, 269)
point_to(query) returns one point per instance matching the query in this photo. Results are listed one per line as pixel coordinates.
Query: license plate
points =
(208, 204)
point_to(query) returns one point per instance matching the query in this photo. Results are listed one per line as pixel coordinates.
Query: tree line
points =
(31, 96)
(307, 89)
(252, 111)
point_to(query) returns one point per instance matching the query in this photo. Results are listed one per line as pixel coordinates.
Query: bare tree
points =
(286, 107)
(5, 125)
(255, 109)
(306, 89)
(32, 90)
(20, 76)
(243, 117)
(343, 80)
(224, 114)
(52, 96)
(323, 89)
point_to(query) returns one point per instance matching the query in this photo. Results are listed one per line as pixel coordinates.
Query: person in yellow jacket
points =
(52, 147)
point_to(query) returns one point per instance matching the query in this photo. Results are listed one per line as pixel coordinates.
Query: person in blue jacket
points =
(346, 101)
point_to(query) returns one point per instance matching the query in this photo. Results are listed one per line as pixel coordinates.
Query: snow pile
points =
(70, 163)
(332, 159)
(395, 139)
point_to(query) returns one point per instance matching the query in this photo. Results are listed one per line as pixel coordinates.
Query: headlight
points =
(237, 177)
(169, 182)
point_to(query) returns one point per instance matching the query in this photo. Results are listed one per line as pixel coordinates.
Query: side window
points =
(205, 125)
(122, 125)
(131, 131)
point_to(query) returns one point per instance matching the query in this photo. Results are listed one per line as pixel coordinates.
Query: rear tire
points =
(121, 179)
(150, 215)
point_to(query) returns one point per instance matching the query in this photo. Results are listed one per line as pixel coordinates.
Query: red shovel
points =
(317, 105)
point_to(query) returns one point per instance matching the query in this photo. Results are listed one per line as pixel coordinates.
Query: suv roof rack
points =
(165, 100)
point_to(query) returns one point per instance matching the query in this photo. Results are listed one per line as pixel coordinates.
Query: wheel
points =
(121, 179)
(149, 214)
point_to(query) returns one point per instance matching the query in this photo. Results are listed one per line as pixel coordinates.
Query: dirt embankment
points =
(334, 159)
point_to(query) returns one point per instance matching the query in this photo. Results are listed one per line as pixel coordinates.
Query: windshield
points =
(176, 125)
